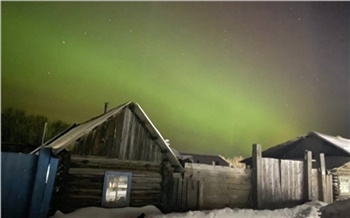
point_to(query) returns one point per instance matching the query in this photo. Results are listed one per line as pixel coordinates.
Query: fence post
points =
(322, 178)
(257, 176)
(307, 176)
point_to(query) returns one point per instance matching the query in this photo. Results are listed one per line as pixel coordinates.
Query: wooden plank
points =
(307, 176)
(125, 133)
(257, 176)
(200, 194)
(211, 168)
(322, 178)
(330, 188)
(179, 194)
(132, 139)
(192, 194)
(285, 180)
(174, 193)
(314, 181)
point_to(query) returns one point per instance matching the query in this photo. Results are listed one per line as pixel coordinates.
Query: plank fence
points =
(269, 184)
(281, 183)
(27, 183)
(206, 187)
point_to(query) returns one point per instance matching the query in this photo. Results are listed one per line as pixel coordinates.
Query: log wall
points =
(84, 183)
(341, 182)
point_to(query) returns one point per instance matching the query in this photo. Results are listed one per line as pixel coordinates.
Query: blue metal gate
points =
(27, 182)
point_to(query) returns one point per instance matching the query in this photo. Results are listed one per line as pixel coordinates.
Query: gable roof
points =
(337, 142)
(69, 136)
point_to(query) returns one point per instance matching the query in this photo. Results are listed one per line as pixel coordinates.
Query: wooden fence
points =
(210, 187)
(270, 184)
(280, 183)
(27, 184)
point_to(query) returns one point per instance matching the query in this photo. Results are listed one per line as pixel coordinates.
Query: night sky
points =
(213, 77)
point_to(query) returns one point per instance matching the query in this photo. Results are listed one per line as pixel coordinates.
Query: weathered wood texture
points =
(282, 183)
(307, 176)
(314, 185)
(292, 180)
(123, 136)
(341, 182)
(257, 176)
(219, 187)
(84, 184)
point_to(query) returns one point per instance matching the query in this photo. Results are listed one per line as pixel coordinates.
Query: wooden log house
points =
(341, 182)
(123, 140)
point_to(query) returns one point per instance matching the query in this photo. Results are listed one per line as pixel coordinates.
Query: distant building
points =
(335, 148)
(216, 160)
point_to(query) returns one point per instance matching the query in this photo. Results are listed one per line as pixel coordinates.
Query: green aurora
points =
(213, 77)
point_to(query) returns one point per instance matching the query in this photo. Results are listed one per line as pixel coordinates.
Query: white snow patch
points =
(307, 210)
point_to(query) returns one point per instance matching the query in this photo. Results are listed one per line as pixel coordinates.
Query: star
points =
(48, 73)
(63, 42)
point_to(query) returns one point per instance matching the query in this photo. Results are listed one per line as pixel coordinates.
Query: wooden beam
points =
(256, 176)
(307, 176)
(322, 190)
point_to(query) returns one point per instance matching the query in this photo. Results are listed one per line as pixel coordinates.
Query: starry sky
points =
(214, 77)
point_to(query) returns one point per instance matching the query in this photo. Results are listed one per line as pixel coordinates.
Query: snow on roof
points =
(338, 141)
(68, 137)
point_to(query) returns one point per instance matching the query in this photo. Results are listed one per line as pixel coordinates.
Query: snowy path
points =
(307, 210)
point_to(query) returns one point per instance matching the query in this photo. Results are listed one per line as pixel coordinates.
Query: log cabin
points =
(341, 182)
(122, 139)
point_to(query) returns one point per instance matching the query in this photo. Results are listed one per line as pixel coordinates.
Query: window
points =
(116, 189)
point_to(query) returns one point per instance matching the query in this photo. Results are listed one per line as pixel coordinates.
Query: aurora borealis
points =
(214, 77)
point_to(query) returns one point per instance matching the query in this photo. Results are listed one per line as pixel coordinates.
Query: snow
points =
(307, 210)
(98, 212)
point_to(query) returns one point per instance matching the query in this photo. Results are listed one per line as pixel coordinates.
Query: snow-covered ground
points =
(307, 210)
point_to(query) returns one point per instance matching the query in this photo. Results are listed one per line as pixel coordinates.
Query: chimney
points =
(106, 107)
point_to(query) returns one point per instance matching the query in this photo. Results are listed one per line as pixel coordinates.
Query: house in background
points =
(341, 182)
(122, 140)
(335, 148)
(337, 157)
(216, 160)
